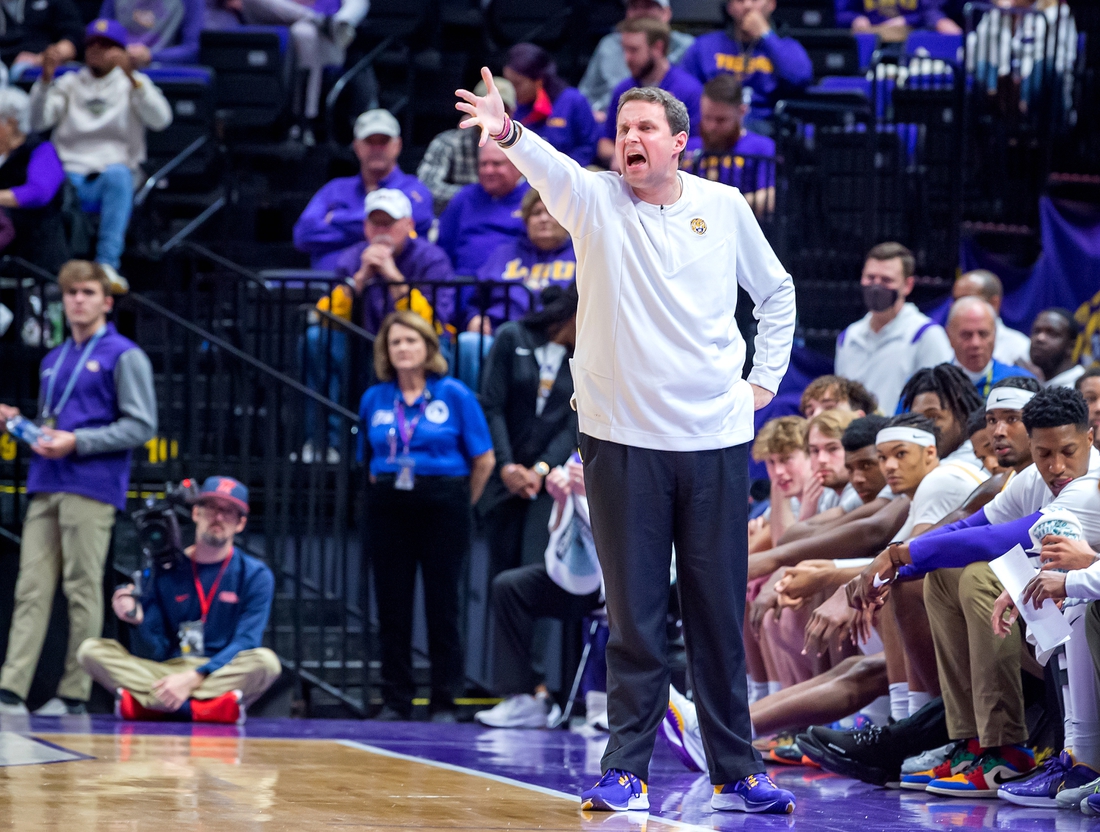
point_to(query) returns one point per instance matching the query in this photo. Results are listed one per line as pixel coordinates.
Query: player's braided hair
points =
(955, 390)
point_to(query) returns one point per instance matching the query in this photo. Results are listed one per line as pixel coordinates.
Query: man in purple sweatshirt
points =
(333, 220)
(645, 48)
(863, 15)
(748, 48)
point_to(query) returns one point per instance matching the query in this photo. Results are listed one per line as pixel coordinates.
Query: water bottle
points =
(23, 428)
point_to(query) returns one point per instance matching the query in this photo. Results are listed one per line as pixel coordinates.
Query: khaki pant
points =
(250, 671)
(64, 536)
(979, 671)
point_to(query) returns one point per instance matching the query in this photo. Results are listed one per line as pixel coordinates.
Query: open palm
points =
(486, 112)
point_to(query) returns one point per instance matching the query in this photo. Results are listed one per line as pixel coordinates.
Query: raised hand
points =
(485, 112)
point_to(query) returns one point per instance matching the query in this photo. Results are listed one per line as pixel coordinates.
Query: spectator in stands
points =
(542, 258)
(96, 404)
(450, 162)
(1010, 346)
(31, 179)
(525, 390)
(836, 393)
(645, 43)
(971, 329)
(30, 31)
(870, 15)
(894, 339)
(430, 455)
(524, 594)
(769, 65)
(607, 67)
(548, 105)
(321, 30)
(1053, 347)
(724, 151)
(1088, 385)
(158, 31)
(484, 216)
(333, 220)
(205, 655)
(99, 116)
(393, 256)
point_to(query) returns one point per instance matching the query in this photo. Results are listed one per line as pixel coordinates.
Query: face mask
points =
(878, 298)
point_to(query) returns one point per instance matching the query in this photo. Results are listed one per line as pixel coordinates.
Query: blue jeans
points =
(324, 369)
(467, 365)
(111, 195)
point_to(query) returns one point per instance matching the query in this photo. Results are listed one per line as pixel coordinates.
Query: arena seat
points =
(832, 51)
(252, 72)
(805, 14)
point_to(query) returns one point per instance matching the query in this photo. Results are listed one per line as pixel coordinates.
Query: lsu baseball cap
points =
(227, 489)
(504, 87)
(390, 201)
(377, 123)
(104, 29)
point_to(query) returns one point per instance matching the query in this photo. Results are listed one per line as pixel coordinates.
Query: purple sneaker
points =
(617, 791)
(1041, 788)
(755, 793)
(1091, 805)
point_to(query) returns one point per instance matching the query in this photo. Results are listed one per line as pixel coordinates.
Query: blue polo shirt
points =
(475, 224)
(745, 166)
(570, 127)
(237, 617)
(676, 81)
(451, 432)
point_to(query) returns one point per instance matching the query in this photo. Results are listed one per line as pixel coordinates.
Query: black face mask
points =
(878, 298)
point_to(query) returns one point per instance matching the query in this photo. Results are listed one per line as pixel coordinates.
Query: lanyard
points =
(988, 382)
(405, 428)
(206, 599)
(48, 410)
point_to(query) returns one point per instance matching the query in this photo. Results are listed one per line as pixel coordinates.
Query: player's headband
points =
(901, 433)
(1008, 398)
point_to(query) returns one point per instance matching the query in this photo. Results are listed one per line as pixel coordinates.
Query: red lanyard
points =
(206, 600)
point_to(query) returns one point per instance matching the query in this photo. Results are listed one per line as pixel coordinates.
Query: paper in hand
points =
(1046, 625)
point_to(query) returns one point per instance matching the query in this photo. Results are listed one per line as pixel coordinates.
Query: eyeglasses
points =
(226, 512)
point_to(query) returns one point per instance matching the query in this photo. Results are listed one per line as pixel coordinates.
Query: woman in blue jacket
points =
(430, 455)
(549, 106)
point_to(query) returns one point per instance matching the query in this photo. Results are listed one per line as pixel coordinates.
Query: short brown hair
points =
(527, 206)
(858, 396)
(83, 271)
(780, 436)
(435, 364)
(888, 251)
(655, 31)
(725, 89)
(831, 423)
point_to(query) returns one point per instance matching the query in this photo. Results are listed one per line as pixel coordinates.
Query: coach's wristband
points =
(505, 131)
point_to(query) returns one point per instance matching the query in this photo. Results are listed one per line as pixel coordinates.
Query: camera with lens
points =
(158, 526)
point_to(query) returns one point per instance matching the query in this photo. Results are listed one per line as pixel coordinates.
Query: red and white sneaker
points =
(226, 709)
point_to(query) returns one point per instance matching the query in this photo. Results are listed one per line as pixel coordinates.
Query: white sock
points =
(899, 700)
(878, 711)
(917, 700)
(774, 687)
(757, 691)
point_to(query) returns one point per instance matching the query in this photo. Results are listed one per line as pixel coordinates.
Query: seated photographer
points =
(201, 621)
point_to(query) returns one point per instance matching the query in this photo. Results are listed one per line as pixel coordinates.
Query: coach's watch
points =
(541, 468)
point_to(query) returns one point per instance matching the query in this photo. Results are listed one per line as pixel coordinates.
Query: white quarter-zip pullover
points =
(659, 357)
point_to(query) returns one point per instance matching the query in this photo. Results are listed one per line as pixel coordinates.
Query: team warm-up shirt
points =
(659, 355)
(1007, 519)
(883, 361)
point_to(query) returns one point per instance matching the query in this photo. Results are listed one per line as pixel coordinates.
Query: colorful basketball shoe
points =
(987, 774)
(964, 754)
(1042, 787)
(617, 791)
(680, 728)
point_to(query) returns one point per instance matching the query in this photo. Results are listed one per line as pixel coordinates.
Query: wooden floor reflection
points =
(169, 783)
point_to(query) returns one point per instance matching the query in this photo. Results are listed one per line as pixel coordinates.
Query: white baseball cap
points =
(377, 123)
(390, 201)
(504, 87)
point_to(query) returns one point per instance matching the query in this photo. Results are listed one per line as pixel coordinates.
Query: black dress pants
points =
(642, 502)
(429, 528)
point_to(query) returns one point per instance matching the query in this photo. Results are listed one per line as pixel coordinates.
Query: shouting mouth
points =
(634, 161)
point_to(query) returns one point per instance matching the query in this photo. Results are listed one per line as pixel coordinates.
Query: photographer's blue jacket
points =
(238, 614)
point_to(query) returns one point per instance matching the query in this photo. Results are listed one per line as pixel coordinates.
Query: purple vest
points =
(93, 404)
